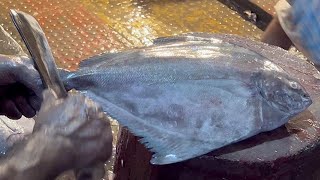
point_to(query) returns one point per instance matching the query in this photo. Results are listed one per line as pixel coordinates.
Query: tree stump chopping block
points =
(274, 155)
(289, 152)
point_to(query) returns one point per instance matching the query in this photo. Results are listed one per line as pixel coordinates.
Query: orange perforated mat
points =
(78, 29)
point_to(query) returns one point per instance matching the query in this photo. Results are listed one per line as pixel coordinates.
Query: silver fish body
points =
(191, 94)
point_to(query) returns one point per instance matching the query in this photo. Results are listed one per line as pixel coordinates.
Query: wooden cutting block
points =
(289, 152)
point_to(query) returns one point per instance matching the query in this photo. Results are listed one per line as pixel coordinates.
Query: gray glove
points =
(69, 133)
(82, 122)
(20, 87)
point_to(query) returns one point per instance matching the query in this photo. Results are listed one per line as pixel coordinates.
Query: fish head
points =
(283, 92)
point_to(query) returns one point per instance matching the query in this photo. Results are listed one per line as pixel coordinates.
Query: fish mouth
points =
(306, 100)
(294, 108)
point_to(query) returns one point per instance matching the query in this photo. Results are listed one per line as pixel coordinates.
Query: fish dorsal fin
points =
(96, 60)
(101, 58)
(185, 37)
(166, 40)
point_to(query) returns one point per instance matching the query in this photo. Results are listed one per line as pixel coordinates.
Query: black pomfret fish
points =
(191, 94)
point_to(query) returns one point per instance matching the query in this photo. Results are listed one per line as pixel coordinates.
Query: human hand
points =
(20, 87)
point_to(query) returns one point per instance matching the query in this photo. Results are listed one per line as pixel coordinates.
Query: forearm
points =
(39, 157)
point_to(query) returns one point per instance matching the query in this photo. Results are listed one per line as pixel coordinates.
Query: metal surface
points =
(78, 29)
(39, 50)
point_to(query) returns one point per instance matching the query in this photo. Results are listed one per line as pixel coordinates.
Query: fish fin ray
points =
(194, 36)
(162, 142)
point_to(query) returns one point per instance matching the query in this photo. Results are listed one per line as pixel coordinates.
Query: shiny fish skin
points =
(191, 94)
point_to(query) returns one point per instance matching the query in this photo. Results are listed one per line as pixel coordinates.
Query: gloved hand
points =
(20, 87)
(80, 121)
(69, 133)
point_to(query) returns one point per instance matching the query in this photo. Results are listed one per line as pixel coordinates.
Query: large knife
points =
(39, 49)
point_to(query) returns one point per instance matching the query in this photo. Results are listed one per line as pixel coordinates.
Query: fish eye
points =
(293, 85)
